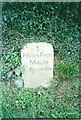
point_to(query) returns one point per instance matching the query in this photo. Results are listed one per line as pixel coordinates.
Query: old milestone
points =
(37, 61)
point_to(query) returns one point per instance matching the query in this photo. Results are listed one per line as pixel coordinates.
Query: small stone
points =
(10, 74)
(17, 71)
(18, 83)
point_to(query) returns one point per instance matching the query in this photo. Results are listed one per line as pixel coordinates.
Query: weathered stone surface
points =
(37, 59)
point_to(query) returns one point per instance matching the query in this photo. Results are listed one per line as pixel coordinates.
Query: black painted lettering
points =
(33, 62)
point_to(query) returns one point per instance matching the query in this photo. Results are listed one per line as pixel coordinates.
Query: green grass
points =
(68, 69)
(45, 103)
(54, 23)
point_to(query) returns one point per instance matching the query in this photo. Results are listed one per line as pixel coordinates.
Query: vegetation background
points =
(56, 23)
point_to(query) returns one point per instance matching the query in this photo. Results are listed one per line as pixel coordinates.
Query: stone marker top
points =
(38, 46)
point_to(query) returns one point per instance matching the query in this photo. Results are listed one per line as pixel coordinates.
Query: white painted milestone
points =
(37, 60)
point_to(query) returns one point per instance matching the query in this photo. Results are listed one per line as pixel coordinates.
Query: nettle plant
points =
(68, 69)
